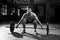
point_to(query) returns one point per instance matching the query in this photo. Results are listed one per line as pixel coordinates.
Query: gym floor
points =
(54, 33)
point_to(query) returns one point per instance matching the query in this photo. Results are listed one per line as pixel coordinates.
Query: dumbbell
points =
(12, 26)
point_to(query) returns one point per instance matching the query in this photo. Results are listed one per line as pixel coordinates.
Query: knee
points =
(23, 21)
(35, 22)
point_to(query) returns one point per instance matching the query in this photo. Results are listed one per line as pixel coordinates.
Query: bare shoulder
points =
(25, 14)
(33, 13)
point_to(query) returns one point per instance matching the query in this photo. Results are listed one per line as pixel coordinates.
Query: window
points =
(18, 12)
(4, 10)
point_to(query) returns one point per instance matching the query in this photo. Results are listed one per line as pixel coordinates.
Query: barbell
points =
(12, 27)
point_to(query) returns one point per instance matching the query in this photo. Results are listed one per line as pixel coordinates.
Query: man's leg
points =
(24, 23)
(35, 24)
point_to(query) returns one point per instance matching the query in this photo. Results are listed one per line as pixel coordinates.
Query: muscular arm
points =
(37, 20)
(20, 20)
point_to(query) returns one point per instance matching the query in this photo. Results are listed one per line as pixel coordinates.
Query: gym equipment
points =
(47, 28)
(12, 27)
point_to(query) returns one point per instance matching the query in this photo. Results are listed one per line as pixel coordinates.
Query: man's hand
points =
(17, 26)
(41, 25)
(41, 28)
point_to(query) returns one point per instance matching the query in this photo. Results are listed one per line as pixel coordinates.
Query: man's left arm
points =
(38, 20)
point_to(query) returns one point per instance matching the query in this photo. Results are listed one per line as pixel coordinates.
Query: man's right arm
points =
(20, 20)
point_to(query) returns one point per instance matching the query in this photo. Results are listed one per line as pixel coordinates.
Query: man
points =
(30, 17)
